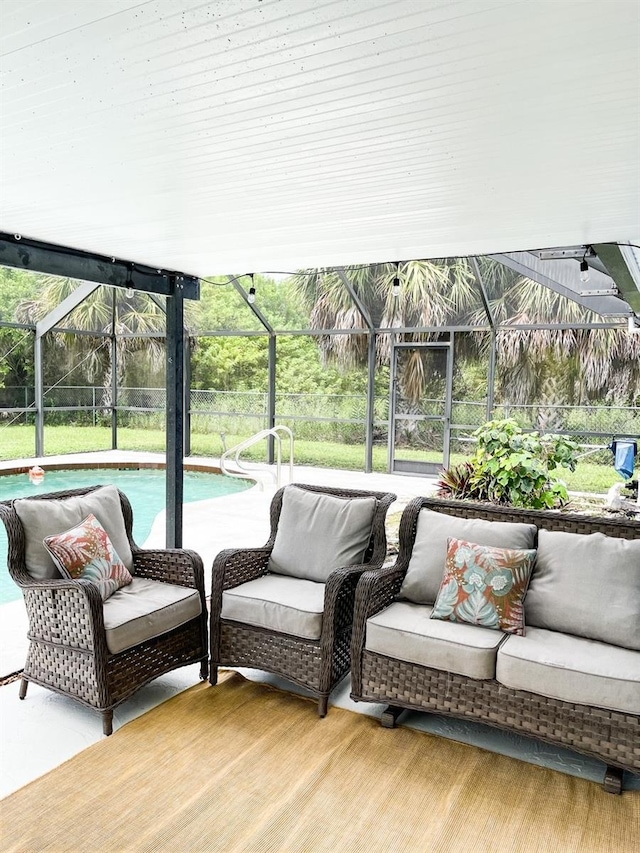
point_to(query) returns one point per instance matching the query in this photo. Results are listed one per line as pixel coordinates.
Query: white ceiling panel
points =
(240, 135)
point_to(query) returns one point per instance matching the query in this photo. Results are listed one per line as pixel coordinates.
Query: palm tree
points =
(571, 365)
(575, 364)
(106, 309)
(431, 294)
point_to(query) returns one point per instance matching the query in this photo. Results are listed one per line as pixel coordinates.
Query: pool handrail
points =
(246, 473)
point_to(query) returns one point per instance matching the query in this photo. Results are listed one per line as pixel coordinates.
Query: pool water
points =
(144, 487)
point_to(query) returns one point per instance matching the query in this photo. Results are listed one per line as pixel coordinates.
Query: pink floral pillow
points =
(484, 585)
(86, 552)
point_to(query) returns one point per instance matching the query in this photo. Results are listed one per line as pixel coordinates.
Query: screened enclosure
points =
(375, 367)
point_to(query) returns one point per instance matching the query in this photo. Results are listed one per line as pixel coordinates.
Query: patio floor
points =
(46, 729)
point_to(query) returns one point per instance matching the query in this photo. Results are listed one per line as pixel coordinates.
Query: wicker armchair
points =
(317, 663)
(68, 650)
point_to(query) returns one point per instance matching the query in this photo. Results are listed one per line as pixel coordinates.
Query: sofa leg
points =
(107, 723)
(390, 716)
(23, 688)
(204, 670)
(323, 703)
(613, 780)
(213, 675)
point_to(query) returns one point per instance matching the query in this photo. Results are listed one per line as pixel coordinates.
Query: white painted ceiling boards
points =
(238, 135)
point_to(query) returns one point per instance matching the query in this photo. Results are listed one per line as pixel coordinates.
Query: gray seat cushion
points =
(278, 603)
(426, 567)
(587, 585)
(572, 669)
(145, 609)
(405, 631)
(48, 517)
(318, 533)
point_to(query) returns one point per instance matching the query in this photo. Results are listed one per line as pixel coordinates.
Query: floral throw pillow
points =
(86, 552)
(483, 585)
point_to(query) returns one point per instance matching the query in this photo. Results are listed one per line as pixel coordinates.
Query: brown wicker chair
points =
(316, 664)
(68, 651)
(610, 736)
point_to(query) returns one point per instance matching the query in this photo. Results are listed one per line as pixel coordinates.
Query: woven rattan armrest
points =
(173, 565)
(339, 594)
(55, 617)
(375, 591)
(235, 566)
(45, 584)
(232, 567)
(176, 565)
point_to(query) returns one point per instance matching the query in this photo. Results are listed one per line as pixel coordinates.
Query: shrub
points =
(513, 467)
(457, 481)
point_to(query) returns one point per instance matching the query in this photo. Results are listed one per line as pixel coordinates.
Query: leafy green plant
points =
(457, 482)
(513, 467)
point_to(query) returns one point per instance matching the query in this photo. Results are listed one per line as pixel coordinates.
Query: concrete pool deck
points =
(47, 729)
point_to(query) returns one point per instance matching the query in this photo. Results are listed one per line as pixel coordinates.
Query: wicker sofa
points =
(533, 684)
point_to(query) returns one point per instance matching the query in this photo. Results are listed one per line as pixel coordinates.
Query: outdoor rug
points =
(245, 767)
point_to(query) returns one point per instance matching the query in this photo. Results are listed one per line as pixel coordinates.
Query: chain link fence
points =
(337, 418)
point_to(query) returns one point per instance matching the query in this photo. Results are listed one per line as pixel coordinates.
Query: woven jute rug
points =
(244, 767)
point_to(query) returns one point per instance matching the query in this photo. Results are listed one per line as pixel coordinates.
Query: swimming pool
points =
(145, 488)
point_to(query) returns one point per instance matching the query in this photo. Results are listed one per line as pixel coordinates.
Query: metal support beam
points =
(114, 375)
(187, 395)
(362, 308)
(42, 327)
(252, 305)
(24, 253)
(622, 272)
(563, 278)
(448, 406)
(371, 364)
(4, 324)
(576, 253)
(67, 305)
(271, 398)
(175, 418)
(380, 330)
(393, 391)
(491, 379)
(39, 394)
(483, 293)
(159, 301)
(371, 399)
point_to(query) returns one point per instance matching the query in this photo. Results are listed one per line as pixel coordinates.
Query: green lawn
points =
(17, 442)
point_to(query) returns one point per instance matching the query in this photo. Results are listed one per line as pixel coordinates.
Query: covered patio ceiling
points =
(267, 135)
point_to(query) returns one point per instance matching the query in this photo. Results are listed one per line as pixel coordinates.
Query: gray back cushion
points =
(426, 566)
(318, 533)
(587, 585)
(48, 517)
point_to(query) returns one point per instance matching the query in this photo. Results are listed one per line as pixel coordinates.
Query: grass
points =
(17, 442)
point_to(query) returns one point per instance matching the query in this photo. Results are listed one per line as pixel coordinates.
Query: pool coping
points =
(7, 469)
